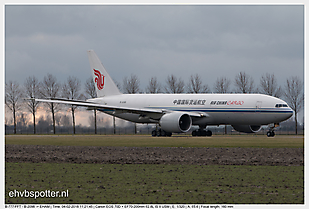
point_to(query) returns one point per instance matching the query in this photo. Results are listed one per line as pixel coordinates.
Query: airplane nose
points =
(290, 113)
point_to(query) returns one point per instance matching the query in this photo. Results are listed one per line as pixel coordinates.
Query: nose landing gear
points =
(270, 133)
(272, 127)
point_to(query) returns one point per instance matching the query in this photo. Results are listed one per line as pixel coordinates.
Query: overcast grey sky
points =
(148, 41)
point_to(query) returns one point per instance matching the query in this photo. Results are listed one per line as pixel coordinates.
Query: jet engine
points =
(247, 128)
(176, 122)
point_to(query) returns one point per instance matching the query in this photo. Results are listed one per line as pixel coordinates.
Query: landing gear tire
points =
(270, 134)
(208, 133)
(160, 132)
(200, 132)
(169, 134)
(195, 133)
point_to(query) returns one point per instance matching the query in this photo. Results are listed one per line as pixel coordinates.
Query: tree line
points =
(49, 87)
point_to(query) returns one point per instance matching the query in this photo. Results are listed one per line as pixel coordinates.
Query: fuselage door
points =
(258, 106)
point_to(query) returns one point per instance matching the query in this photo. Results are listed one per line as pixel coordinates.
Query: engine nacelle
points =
(176, 122)
(247, 128)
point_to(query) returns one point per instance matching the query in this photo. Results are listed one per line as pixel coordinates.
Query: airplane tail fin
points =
(104, 84)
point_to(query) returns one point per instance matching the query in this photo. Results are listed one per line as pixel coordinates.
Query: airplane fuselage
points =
(236, 109)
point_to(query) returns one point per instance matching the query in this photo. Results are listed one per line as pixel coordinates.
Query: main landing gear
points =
(160, 132)
(201, 132)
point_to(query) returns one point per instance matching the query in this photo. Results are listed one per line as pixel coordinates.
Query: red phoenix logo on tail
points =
(99, 79)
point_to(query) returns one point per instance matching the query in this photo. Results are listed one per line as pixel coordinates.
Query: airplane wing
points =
(157, 113)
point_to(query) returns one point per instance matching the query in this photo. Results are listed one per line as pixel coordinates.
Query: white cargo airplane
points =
(176, 113)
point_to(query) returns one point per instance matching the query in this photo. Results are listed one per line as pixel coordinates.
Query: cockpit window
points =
(281, 105)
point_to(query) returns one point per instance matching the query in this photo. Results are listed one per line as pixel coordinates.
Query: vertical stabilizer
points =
(104, 84)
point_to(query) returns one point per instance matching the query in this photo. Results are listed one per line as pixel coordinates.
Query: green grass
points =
(280, 141)
(108, 183)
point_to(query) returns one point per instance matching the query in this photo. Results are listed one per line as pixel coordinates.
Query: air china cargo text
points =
(227, 102)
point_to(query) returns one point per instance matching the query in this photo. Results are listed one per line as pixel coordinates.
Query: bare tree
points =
(43, 123)
(269, 85)
(91, 92)
(32, 90)
(114, 122)
(154, 86)
(22, 120)
(65, 121)
(71, 90)
(58, 118)
(131, 85)
(222, 85)
(173, 85)
(50, 89)
(196, 86)
(90, 88)
(244, 83)
(294, 95)
(13, 96)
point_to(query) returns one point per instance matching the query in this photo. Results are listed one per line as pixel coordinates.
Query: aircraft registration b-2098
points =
(177, 113)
